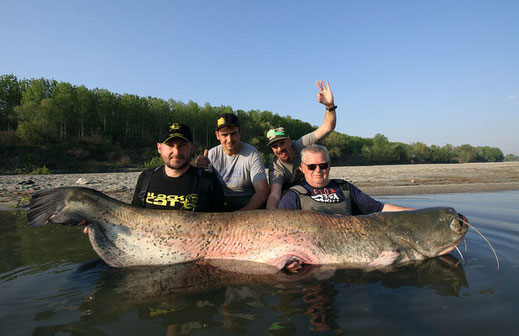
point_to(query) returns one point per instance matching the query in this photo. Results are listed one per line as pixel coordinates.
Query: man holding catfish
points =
(318, 193)
(177, 185)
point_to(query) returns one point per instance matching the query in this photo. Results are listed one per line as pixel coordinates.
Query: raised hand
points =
(202, 161)
(325, 96)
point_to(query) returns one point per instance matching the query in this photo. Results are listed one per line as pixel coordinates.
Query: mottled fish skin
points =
(123, 235)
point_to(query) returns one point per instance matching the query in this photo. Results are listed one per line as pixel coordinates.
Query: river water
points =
(51, 283)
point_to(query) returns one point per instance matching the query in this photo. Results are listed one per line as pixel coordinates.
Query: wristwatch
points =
(333, 108)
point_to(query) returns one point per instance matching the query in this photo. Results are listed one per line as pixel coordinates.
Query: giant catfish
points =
(123, 235)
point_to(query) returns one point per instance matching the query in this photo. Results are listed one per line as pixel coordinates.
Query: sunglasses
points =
(322, 166)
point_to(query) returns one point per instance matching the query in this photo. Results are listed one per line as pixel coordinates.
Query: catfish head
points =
(441, 230)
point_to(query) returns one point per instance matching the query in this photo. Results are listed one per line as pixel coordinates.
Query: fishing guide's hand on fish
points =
(284, 169)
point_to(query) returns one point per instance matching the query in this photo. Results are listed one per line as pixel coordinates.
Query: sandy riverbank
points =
(374, 180)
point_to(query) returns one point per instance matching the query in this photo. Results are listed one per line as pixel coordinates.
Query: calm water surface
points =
(51, 283)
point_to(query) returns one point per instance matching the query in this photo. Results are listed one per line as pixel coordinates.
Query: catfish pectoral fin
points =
(44, 205)
(385, 258)
(48, 206)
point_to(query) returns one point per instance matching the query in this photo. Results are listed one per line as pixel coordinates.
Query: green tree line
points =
(47, 112)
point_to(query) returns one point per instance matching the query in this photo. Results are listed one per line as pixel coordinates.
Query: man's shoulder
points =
(302, 188)
(304, 141)
(248, 149)
(299, 189)
(338, 182)
(278, 164)
(275, 161)
(150, 171)
(289, 201)
(216, 150)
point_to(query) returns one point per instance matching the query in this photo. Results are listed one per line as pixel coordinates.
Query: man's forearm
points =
(330, 120)
(392, 208)
(273, 201)
(256, 201)
(274, 196)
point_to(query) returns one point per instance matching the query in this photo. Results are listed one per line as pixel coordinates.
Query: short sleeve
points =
(364, 203)
(257, 169)
(290, 201)
(304, 141)
(276, 173)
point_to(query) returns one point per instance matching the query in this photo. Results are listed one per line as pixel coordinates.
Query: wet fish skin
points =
(123, 235)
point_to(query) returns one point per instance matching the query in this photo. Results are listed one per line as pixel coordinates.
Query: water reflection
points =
(44, 292)
(234, 295)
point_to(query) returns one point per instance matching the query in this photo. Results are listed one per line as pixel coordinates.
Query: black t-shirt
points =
(196, 190)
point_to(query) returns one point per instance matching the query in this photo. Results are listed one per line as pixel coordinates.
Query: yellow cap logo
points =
(174, 127)
(220, 121)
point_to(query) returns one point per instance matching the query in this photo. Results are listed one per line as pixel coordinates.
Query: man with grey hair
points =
(319, 193)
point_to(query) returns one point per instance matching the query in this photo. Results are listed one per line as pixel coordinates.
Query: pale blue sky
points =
(431, 71)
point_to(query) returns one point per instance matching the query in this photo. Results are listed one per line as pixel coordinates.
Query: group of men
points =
(231, 176)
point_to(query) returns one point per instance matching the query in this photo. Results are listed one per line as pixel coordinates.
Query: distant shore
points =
(374, 180)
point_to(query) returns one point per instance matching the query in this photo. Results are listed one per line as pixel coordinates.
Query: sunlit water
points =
(51, 283)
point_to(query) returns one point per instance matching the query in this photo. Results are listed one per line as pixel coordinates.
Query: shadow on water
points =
(231, 295)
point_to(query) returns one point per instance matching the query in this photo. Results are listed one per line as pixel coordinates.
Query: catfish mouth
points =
(450, 248)
(458, 226)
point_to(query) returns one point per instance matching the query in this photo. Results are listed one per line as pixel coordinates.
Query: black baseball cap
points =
(227, 119)
(175, 130)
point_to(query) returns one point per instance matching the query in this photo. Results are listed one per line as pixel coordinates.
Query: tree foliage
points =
(10, 97)
(47, 112)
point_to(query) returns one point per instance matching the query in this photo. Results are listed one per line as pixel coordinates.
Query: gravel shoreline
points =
(374, 180)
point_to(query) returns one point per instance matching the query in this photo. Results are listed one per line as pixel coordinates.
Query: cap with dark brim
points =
(227, 119)
(175, 130)
(276, 134)
(276, 139)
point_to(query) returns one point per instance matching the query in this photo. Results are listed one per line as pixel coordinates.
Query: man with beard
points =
(177, 185)
(284, 170)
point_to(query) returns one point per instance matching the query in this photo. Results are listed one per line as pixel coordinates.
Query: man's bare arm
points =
(274, 196)
(260, 196)
(325, 97)
(392, 208)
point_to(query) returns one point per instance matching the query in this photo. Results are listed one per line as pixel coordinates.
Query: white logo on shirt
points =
(324, 198)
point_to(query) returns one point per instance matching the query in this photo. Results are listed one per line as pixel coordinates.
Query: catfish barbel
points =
(123, 235)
